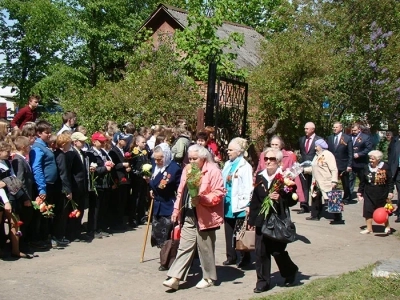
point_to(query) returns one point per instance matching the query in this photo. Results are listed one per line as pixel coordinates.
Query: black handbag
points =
(279, 228)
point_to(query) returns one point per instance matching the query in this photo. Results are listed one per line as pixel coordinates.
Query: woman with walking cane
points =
(163, 183)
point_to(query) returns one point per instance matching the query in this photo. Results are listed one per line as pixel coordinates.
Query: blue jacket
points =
(164, 197)
(43, 163)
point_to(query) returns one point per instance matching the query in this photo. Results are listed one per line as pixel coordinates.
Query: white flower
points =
(146, 168)
(93, 165)
(295, 197)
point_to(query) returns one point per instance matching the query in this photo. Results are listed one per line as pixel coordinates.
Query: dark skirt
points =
(161, 228)
(374, 197)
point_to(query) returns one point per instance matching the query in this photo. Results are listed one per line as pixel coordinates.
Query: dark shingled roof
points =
(247, 54)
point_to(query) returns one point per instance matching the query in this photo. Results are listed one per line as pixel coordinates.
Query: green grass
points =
(354, 285)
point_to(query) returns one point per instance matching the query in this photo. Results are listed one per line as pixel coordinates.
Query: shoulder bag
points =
(279, 228)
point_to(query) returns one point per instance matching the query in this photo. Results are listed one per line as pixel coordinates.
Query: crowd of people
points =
(48, 181)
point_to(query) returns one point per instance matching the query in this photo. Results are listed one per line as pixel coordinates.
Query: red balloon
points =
(380, 215)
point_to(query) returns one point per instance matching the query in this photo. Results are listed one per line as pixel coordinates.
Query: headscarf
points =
(321, 143)
(167, 153)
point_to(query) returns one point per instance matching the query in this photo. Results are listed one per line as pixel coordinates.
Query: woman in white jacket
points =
(238, 181)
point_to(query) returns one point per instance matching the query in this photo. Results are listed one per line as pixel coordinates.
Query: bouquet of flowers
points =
(389, 207)
(93, 178)
(43, 207)
(193, 180)
(127, 156)
(75, 213)
(283, 183)
(137, 152)
(17, 222)
(146, 170)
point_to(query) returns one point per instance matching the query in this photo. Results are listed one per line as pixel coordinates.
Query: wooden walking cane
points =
(147, 229)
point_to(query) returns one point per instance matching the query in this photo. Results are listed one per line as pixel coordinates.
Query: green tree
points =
(154, 89)
(32, 35)
(200, 43)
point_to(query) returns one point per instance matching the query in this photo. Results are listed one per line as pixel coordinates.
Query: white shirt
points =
(65, 128)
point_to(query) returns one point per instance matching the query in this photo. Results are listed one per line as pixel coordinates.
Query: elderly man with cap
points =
(79, 165)
(101, 166)
(122, 170)
(325, 174)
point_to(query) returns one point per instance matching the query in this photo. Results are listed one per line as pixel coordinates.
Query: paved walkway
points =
(110, 268)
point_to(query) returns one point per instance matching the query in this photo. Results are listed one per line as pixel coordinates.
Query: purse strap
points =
(243, 229)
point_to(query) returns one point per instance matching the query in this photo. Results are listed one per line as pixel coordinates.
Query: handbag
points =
(335, 203)
(279, 229)
(169, 250)
(245, 239)
(14, 184)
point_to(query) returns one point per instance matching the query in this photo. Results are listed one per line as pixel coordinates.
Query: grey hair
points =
(278, 153)
(277, 137)
(163, 148)
(241, 142)
(202, 152)
(376, 153)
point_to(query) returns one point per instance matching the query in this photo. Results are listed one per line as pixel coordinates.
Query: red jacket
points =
(210, 210)
(25, 114)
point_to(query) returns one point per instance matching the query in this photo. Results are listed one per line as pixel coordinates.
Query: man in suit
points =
(394, 164)
(307, 152)
(341, 146)
(79, 182)
(122, 169)
(362, 145)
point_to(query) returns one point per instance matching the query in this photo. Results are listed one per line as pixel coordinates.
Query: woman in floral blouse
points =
(376, 186)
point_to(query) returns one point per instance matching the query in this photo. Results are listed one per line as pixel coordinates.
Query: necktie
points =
(336, 141)
(307, 145)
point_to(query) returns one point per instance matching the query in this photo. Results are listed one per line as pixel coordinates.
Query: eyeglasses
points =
(270, 158)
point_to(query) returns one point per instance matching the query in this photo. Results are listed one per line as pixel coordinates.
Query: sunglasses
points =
(270, 158)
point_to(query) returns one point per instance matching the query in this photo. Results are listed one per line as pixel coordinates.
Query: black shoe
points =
(345, 202)
(39, 245)
(302, 211)
(397, 220)
(260, 290)
(312, 219)
(337, 222)
(290, 281)
(162, 268)
(229, 262)
(243, 263)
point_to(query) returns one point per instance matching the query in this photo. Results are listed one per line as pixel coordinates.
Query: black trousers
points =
(317, 204)
(352, 181)
(306, 180)
(57, 225)
(345, 179)
(265, 248)
(230, 241)
(98, 213)
(123, 192)
(138, 199)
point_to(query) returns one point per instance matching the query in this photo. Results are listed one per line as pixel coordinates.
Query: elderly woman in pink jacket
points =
(199, 217)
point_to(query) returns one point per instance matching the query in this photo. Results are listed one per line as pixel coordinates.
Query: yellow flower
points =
(144, 152)
(135, 151)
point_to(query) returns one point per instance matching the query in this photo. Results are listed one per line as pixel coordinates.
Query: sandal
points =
(388, 230)
(365, 231)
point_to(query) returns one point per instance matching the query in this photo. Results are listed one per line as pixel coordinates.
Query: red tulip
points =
(20, 223)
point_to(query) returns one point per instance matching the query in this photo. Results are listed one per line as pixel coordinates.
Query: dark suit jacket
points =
(118, 159)
(104, 179)
(261, 190)
(343, 152)
(164, 199)
(23, 171)
(362, 146)
(79, 172)
(394, 155)
(64, 170)
(311, 151)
